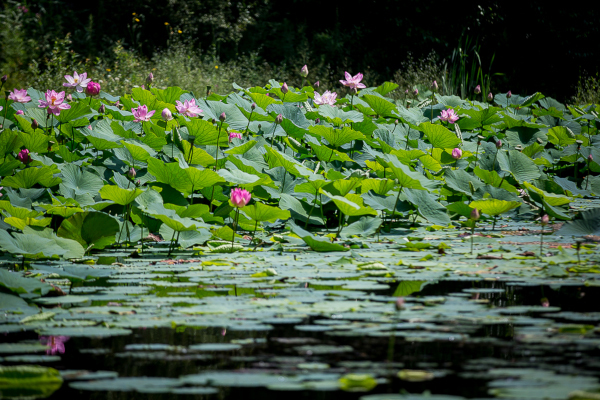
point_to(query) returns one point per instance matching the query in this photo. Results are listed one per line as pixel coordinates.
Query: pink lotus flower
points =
(54, 102)
(79, 82)
(56, 344)
(449, 116)
(92, 89)
(19, 112)
(353, 82)
(456, 153)
(24, 157)
(327, 98)
(240, 197)
(188, 108)
(20, 96)
(141, 113)
(234, 135)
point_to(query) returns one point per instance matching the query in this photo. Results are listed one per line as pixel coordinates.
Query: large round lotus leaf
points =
(28, 381)
(89, 228)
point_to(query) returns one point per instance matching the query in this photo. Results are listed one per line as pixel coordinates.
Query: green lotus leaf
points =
(494, 207)
(118, 195)
(28, 381)
(261, 212)
(89, 228)
(439, 136)
(28, 177)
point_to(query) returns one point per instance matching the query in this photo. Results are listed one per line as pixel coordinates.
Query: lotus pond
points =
(279, 242)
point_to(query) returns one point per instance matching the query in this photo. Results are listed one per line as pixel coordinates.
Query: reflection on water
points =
(55, 344)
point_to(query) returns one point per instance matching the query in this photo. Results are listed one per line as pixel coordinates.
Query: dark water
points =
(460, 365)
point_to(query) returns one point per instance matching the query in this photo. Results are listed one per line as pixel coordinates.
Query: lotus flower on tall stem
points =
(239, 199)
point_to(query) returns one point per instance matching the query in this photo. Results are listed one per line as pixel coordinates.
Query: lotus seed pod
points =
(259, 127)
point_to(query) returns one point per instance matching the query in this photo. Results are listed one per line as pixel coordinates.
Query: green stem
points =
(217, 152)
(587, 179)
(171, 244)
(311, 211)
(494, 224)
(340, 222)
(249, 118)
(542, 241)
(254, 233)
(235, 222)
(394, 210)
(472, 234)
(273, 134)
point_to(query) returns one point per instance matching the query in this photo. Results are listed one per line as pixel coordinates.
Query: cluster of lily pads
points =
(88, 170)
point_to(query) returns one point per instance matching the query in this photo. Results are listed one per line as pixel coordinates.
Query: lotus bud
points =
(509, 94)
(284, 88)
(166, 114)
(19, 112)
(259, 127)
(545, 219)
(545, 302)
(498, 144)
(477, 89)
(92, 89)
(24, 157)
(456, 153)
(138, 183)
(213, 121)
(150, 78)
(131, 173)
(102, 109)
(69, 97)
(4, 78)
(490, 96)
(406, 92)
(317, 121)
(317, 84)
(416, 92)
(399, 303)
(34, 124)
(475, 215)
(590, 157)
(279, 119)
(396, 122)
(304, 71)
(253, 106)
(222, 117)
(434, 86)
